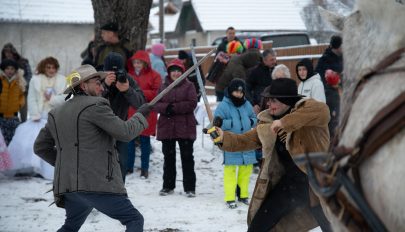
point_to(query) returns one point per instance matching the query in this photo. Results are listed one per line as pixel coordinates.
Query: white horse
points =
(372, 32)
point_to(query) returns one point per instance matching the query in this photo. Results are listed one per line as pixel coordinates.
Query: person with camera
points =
(149, 81)
(122, 92)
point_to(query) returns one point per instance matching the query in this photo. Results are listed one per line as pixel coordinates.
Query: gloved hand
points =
(217, 121)
(145, 109)
(169, 110)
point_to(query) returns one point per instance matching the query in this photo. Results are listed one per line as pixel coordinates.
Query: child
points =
(236, 114)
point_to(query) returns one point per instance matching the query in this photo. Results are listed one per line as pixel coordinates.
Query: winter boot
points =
(190, 194)
(231, 204)
(165, 192)
(144, 174)
(244, 200)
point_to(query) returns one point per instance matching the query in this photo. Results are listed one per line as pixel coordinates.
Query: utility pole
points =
(161, 22)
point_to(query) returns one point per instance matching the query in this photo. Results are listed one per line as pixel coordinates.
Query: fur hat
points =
(158, 49)
(285, 90)
(7, 62)
(234, 47)
(253, 43)
(176, 63)
(236, 84)
(113, 62)
(110, 26)
(82, 74)
(335, 41)
(183, 55)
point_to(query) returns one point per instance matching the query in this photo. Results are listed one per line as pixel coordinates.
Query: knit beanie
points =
(158, 49)
(113, 62)
(183, 55)
(234, 47)
(253, 43)
(335, 41)
(236, 84)
(7, 62)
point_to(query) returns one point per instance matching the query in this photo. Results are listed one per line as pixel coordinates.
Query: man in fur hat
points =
(78, 139)
(291, 125)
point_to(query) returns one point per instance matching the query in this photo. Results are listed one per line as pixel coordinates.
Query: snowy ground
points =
(24, 203)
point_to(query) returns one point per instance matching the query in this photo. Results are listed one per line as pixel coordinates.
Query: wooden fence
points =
(288, 56)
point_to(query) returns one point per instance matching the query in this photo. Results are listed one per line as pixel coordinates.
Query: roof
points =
(169, 24)
(47, 11)
(258, 15)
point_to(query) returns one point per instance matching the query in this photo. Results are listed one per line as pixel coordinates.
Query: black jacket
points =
(329, 60)
(258, 78)
(222, 45)
(120, 101)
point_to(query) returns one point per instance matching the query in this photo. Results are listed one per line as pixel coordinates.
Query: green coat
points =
(307, 129)
(78, 139)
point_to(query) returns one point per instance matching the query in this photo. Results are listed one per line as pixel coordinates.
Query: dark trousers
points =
(122, 148)
(145, 153)
(187, 163)
(288, 194)
(79, 205)
(220, 95)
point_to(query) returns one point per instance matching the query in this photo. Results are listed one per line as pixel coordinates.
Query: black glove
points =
(145, 109)
(169, 110)
(217, 121)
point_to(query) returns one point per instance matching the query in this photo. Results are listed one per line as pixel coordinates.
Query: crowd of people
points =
(102, 109)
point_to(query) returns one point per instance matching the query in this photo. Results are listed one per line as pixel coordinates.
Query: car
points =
(280, 39)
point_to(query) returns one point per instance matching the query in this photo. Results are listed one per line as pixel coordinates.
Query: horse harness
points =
(328, 178)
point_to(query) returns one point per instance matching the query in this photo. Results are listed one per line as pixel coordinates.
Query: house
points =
(48, 28)
(201, 22)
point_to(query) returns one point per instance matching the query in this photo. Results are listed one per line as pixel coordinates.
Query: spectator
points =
(86, 175)
(122, 92)
(10, 52)
(238, 66)
(188, 62)
(89, 54)
(332, 59)
(236, 114)
(259, 77)
(230, 36)
(290, 126)
(12, 89)
(311, 84)
(45, 92)
(177, 124)
(149, 81)
(112, 43)
(280, 71)
(157, 60)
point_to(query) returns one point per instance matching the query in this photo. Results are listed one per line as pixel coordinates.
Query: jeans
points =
(78, 206)
(145, 153)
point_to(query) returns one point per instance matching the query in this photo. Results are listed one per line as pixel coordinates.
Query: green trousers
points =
(232, 179)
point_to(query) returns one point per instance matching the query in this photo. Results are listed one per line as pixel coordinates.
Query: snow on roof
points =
(170, 20)
(47, 11)
(255, 15)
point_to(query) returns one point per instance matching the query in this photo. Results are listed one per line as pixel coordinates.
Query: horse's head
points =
(374, 30)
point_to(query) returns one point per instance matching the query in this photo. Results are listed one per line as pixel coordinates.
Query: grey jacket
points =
(79, 139)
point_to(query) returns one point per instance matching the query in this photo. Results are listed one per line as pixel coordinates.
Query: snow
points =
(24, 204)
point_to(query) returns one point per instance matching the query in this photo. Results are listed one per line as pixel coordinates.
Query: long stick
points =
(201, 85)
(184, 75)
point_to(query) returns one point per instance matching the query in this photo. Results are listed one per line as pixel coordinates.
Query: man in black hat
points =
(112, 43)
(291, 125)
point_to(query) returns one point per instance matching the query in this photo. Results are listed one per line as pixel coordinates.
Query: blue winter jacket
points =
(237, 120)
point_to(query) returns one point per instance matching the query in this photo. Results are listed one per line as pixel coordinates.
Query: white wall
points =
(65, 42)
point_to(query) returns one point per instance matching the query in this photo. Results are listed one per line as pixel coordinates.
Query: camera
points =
(120, 74)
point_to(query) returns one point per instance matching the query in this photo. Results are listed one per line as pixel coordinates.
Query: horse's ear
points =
(334, 19)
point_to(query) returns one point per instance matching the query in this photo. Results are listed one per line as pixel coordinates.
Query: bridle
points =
(329, 172)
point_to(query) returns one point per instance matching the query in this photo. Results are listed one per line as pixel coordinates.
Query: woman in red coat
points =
(149, 81)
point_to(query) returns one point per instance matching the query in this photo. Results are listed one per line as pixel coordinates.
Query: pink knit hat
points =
(158, 49)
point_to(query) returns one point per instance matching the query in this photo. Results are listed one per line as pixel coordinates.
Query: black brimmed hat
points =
(283, 89)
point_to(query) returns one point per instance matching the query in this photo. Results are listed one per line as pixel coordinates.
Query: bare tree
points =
(132, 17)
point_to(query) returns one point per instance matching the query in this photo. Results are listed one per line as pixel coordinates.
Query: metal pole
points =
(161, 21)
(184, 75)
(201, 85)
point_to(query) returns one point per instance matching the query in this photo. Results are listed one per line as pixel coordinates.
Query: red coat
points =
(149, 81)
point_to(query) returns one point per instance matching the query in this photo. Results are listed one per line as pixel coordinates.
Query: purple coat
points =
(182, 124)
